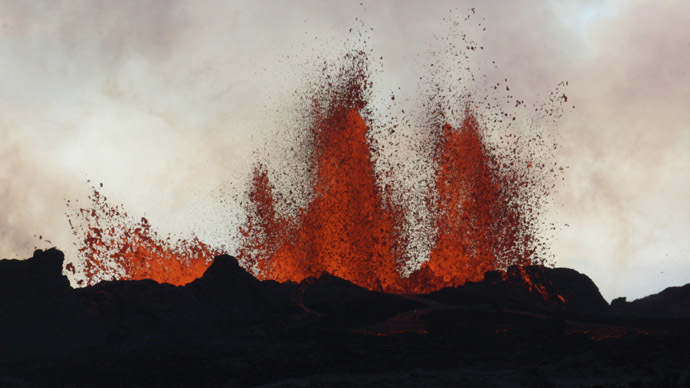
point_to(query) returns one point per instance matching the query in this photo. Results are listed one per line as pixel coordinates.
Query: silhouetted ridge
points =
(581, 295)
(40, 314)
(41, 272)
(532, 288)
(229, 329)
(230, 288)
(226, 269)
(673, 302)
(226, 293)
(347, 303)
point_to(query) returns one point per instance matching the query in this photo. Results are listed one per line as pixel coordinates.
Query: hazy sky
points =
(165, 102)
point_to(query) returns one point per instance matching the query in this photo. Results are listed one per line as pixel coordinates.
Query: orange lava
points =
(602, 332)
(533, 282)
(113, 247)
(480, 224)
(345, 230)
(349, 229)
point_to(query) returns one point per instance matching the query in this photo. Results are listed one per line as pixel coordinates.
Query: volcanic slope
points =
(527, 326)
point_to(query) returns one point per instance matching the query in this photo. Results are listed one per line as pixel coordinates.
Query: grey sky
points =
(166, 101)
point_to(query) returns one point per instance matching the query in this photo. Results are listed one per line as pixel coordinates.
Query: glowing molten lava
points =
(114, 247)
(350, 227)
(480, 223)
(345, 230)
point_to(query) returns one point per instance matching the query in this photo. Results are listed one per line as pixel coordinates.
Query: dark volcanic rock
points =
(531, 326)
(226, 285)
(226, 293)
(533, 288)
(131, 309)
(348, 304)
(673, 302)
(578, 292)
(38, 276)
(236, 294)
(40, 314)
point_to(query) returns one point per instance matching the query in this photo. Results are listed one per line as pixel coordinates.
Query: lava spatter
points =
(480, 223)
(482, 212)
(345, 229)
(479, 213)
(113, 246)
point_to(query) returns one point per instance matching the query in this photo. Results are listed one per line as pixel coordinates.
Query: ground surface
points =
(528, 327)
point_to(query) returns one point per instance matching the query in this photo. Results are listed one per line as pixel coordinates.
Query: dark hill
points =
(530, 288)
(673, 302)
(531, 326)
(40, 314)
(343, 303)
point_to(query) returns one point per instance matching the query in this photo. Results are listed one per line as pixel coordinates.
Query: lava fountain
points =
(345, 230)
(113, 246)
(350, 228)
(481, 204)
